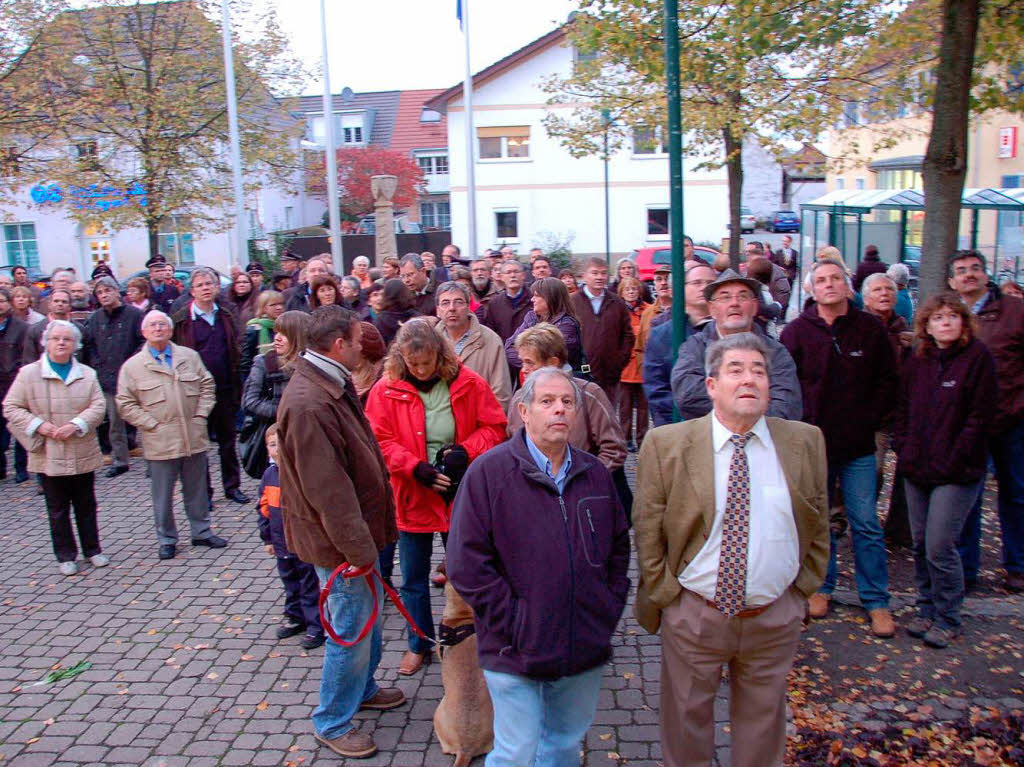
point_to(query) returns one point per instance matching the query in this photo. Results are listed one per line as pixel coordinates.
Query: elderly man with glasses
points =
(732, 301)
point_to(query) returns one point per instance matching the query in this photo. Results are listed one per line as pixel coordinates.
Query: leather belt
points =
(749, 613)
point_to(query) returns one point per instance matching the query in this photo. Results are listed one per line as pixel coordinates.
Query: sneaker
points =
(386, 698)
(353, 744)
(918, 626)
(68, 568)
(940, 636)
(312, 641)
(290, 627)
(99, 560)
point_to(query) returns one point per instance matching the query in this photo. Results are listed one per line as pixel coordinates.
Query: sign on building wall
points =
(1007, 143)
(92, 197)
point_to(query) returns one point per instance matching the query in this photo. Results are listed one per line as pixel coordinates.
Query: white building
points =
(528, 185)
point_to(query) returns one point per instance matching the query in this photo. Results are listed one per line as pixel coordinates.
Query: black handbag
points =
(254, 458)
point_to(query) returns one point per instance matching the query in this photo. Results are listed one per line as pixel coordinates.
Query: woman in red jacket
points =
(431, 416)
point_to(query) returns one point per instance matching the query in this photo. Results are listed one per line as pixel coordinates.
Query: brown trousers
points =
(696, 640)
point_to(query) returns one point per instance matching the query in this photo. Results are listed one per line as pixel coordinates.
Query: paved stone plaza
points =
(186, 669)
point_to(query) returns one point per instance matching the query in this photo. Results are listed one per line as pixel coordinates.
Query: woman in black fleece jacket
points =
(947, 401)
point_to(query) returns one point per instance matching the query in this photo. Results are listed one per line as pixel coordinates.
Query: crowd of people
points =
(493, 402)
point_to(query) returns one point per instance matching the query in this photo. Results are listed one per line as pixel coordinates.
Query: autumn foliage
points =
(357, 165)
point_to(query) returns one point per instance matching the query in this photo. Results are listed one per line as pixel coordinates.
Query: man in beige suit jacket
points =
(731, 519)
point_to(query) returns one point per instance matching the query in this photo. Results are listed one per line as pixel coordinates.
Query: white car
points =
(748, 221)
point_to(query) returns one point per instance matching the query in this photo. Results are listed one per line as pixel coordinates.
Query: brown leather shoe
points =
(386, 698)
(882, 624)
(353, 744)
(413, 662)
(817, 605)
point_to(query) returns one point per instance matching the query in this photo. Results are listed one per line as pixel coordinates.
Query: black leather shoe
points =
(212, 542)
(21, 478)
(237, 496)
(290, 628)
(167, 551)
(115, 471)
(311, 642)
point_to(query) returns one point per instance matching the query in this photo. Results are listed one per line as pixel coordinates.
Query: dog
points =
(464, 719)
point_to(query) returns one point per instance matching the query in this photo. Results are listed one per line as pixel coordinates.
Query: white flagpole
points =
(467, 100)
(241, 251)
(334, 215)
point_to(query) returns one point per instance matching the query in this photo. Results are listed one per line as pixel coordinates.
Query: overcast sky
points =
(407, 44)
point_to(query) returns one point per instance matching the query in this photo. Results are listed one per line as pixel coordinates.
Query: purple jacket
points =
(545, 574)
(570, 328)
(947, 404)
(848, 377)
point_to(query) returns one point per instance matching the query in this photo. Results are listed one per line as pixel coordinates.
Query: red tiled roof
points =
(409, 132)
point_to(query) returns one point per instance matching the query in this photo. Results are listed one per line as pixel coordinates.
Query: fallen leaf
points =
(262, 706)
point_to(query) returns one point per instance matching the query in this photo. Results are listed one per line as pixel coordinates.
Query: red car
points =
(646, 258)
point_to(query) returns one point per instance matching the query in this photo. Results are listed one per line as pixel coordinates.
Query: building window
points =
(352, 129)
(20, 245)
(10, 164)
(436, 215)
(87, 154)
(582, 59)
(858, 183)
(657, 222)
(840, 183)
(318, 130)
(175, 238)
(289, 217)
(433, 165)
(900, 178)
(504, 143)
(648, 141)
(506, 224)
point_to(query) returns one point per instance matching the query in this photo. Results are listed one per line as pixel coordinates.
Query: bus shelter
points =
(893, 220)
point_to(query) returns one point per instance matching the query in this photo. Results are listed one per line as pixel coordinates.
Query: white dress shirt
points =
(773, 549)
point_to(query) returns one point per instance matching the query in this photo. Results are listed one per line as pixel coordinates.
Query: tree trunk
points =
(734, 167)
(153, 234)
(945, 162)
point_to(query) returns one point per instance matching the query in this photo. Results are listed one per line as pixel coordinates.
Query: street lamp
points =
(675, 170)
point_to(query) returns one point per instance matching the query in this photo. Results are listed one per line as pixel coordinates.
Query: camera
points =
(452, 461)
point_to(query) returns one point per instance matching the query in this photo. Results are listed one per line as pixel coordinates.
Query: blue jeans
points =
(858, 483)
(1008, 456)
(937, 517)
(414, 550)
(347, 678)
(1008, 461)
(541, 724)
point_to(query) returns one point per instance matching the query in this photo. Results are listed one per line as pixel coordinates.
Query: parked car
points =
(784, 221)
(646, 258)
(748, 221)
(182, 274)
(368, 225)
(36, 277)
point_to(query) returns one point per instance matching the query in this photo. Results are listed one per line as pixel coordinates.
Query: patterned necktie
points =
(731, 589)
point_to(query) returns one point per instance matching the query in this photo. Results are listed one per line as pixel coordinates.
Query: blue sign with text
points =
(92, 197)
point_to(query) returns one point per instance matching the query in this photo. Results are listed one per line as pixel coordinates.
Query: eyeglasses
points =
(453, 304)
(730, 298)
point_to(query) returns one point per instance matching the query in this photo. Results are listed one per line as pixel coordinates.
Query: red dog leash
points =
(369, 572)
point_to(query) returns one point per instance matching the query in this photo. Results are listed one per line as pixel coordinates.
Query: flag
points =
(458, 12)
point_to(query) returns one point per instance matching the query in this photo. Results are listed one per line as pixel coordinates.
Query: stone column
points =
(383, 189)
